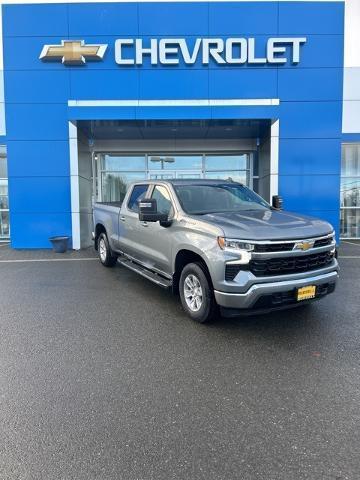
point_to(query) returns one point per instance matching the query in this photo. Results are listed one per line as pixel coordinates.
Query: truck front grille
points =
(287, 247)
(274, 247)
(290, 265)
(323, 242)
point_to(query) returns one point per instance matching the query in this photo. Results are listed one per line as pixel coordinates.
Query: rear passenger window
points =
(138, 193)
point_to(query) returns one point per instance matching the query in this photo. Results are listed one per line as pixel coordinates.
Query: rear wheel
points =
(106, 257)
(196, 293)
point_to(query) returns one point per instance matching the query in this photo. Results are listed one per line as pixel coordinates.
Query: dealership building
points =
(97, 95)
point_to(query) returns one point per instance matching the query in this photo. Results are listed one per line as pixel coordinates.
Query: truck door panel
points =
(155, 239)
(129, 221)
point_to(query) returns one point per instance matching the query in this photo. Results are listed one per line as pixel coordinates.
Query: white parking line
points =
(35, 260)
(352, 243)
(349, 256)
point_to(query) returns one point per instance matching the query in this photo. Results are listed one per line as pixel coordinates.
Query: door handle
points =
(122, 218)
(144, 224)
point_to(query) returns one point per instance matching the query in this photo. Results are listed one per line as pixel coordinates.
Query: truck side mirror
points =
(148, 211)
(277, 202)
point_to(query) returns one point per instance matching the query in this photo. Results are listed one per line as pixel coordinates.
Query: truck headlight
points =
(233, 244)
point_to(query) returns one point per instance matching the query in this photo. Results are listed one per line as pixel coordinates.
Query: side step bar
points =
(144, 272)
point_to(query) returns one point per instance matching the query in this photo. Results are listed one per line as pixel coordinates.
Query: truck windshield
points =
(200, 199)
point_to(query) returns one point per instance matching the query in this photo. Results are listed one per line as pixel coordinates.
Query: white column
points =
(274, 159)
(74, 186)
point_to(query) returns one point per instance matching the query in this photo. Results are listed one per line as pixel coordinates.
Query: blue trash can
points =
(60, 244)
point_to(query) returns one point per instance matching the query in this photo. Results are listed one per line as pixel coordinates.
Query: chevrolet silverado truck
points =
(218, 245)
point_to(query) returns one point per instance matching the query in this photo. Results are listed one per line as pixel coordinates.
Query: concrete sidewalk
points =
(9, 254)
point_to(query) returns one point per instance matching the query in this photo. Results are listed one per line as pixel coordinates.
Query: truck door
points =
(128, 240)
(157, 240)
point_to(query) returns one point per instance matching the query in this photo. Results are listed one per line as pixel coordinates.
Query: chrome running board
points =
(146, 273)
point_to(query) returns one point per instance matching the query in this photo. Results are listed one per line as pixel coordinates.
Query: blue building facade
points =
(47, 99)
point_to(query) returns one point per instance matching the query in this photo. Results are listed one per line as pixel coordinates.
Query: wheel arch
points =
(99, 229)
(183, 257)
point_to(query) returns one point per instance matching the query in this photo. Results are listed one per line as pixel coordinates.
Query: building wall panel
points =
(174, 84)
(309, 156)
(36, 121)
(35, 86)
(35, 20)
(28, 194)
(249, 18)
(310, 119)
(38, 158)
(173, 19)
(310, 84)
(311, 17)
(111, 19)
(90, 84)
(304, 193)
(248, 83)
(33, 230)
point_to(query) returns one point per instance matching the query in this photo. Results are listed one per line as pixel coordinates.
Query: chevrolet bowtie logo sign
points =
(305, 245)
(73, 52)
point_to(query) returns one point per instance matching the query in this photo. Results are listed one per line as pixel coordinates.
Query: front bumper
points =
(248, 299)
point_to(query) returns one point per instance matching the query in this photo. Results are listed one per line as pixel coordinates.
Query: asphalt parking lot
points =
(102, 376)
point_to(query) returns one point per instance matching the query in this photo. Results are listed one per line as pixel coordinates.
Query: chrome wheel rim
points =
(193, 292)
(102, 250)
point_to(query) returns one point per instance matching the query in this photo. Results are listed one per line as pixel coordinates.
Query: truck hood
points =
(267, 225)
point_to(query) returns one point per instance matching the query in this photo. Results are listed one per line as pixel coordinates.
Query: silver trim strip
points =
(283, 253)
(294, 253)
(167, 1)
(275, 242)
(236, 102)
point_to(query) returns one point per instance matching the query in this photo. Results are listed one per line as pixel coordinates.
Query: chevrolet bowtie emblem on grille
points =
(305, 245)
(72, 52)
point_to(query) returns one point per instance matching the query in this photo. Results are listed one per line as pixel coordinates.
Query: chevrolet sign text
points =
(233, 51)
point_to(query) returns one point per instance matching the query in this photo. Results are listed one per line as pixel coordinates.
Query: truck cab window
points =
(162, 197)
(138, 193)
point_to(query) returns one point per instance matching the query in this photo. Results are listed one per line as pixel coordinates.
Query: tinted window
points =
(212, 198)
(139, 192)
(162, 197)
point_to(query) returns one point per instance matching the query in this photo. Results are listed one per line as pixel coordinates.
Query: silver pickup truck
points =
(219, 245)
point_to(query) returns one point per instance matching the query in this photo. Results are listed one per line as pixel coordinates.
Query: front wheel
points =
(106, 256)
(196, 293)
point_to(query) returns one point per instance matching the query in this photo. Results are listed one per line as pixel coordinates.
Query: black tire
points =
(208, 308)
(106, 257)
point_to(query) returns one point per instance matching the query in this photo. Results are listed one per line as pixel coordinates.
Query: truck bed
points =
(108, 204)
(107, 214)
